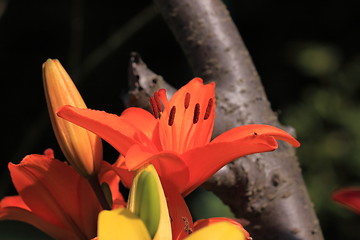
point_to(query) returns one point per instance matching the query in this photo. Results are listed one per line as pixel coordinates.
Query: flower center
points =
(157, 108)
(185, 122)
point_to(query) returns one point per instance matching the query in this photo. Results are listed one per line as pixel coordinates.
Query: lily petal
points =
(23, 215)
(137, 156)
(205, 161)
(137, 117)
(112, 128)
(121, 223)
(56, 193)
(181, 219)
(123, 172)
(349, 197)
(186, 132)
(218, 231)
(169, 166)
(256, 130)
(13, 201)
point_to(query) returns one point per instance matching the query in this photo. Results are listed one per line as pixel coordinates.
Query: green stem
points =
(94, 183)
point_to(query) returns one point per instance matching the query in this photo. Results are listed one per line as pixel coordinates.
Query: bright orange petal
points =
(112, 128)
(349, 197)
(199, 133)
(203, 162)
(256, 130)
(183, 133)
(206, 222)
(137, 117)
(125, 174)
(169, 166)
(137, 156)
(56, 193)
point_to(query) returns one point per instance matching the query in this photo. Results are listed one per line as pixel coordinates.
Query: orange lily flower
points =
(148, 202)
(349, 197)
(54, 198)
(176, 137)
(81, 148)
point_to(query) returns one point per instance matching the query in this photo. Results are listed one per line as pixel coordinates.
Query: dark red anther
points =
(154, 108)
(187, 100)
(208, 109)
(157, 101)
(172, 116)
(196, 113)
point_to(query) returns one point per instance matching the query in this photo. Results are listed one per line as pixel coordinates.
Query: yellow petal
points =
(120, 224)
(147, 200)
(82, 148)
(218, 231)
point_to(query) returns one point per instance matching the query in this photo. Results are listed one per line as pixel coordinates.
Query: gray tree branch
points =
(267, 189)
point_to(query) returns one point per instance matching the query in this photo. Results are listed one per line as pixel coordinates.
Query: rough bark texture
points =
(266, 189)
(143, 83)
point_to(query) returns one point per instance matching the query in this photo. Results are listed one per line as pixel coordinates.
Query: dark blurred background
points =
(307, 53)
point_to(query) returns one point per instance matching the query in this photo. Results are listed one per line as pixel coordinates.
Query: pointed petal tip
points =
(296, 144)
(50, 63)
(197, 79)
(201, 81)
(289, 139)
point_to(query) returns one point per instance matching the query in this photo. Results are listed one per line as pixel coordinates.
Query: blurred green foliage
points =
(205, 204)
(327, 120)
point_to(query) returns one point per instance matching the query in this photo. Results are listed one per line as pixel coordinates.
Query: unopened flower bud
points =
(81, 148)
